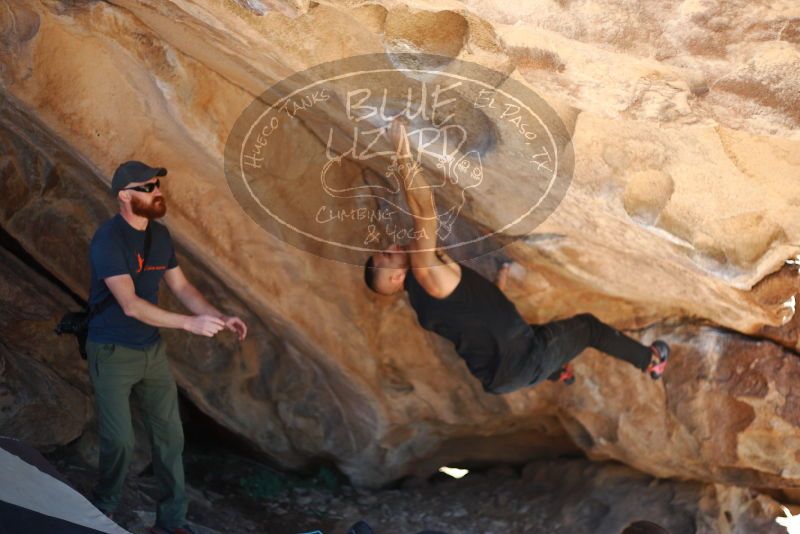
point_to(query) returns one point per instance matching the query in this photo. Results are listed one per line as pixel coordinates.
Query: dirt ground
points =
(231, 493)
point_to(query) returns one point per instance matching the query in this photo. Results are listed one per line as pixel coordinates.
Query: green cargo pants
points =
(115, 371)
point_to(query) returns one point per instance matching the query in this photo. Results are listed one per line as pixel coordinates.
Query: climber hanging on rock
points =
(500, 349)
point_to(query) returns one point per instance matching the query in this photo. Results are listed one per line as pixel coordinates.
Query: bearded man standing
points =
(130, 255)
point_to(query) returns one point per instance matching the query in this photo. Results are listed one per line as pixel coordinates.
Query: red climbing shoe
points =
(567, 376)
(659, 363)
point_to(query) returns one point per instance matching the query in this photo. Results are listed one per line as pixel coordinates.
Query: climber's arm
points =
(434, 270)
(501, 278)
(421, 204)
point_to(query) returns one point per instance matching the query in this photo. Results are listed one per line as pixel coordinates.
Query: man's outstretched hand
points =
(204, 325)
(236, 325)
(210, 325)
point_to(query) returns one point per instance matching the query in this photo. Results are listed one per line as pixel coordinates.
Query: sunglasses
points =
(146, 188)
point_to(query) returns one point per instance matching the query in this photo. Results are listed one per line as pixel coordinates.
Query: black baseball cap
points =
(133, 171)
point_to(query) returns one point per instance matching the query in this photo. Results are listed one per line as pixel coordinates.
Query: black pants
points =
(558, 342)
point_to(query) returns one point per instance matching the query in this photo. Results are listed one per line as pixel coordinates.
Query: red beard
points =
(155, 209)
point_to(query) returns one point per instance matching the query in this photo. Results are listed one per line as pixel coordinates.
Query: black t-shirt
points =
(118, 248)
(482, 323)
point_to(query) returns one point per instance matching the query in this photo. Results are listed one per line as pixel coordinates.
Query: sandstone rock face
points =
(725, 412)
(44, 393)
(678, 223)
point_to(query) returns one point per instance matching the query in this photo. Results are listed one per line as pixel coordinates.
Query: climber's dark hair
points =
(369, 274)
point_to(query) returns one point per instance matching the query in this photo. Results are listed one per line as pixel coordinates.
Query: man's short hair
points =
(370, 273)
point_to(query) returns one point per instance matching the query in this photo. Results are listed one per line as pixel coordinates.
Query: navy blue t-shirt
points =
(118, 248)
